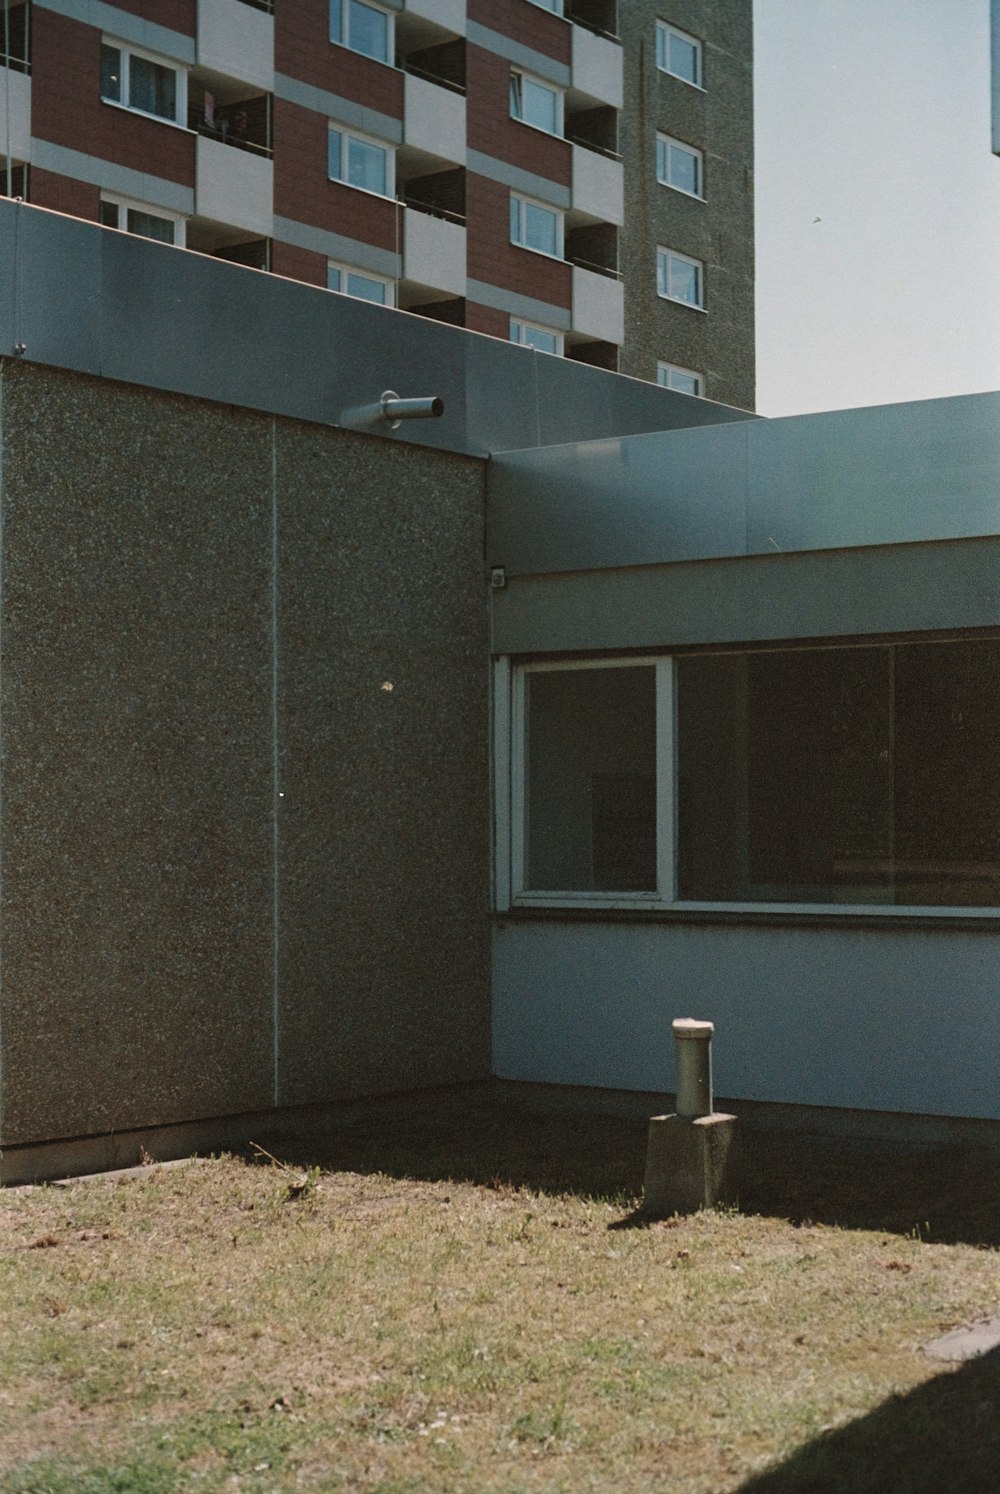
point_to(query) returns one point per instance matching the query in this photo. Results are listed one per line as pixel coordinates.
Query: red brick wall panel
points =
(303, 50)
(491, 130)
(487, 319)
(64, 195)
(302, 190)
(66, 105)
(298, 264)
(493, 259)
(525, 23)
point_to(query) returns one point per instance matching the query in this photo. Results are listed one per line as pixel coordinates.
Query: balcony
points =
(15, 114)
(597, 72)
(433, 256)
(234, 186)
(434, 15)
(236, 40)
(598, 186)
(433, 121)
(598, 306)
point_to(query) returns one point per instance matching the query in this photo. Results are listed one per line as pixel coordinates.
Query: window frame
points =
(665, 368)
(127, 53)
(669, 144)
(666, 254)
(522, 201)
(664, 31)
(510, 725)
(385, 281)
(523, 325)
(554, 7)
(346, 136)
(519, 76)
(344, 39)
(126, 205)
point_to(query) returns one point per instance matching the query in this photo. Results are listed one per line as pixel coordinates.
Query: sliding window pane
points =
(785, 777)
(947, 783)
(591, 780)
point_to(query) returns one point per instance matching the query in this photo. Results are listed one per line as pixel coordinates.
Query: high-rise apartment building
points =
(574, 175)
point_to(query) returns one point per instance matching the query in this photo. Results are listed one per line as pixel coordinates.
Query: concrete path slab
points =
(967, 1342)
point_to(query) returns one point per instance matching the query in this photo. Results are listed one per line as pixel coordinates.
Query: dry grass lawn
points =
(462, 1300)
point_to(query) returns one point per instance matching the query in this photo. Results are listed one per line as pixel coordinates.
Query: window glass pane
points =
(683, 383)
(333, 278)
(516, 106)
(537, 337)
(515, 220)
(661, 161)
(109, 214)
(539, 106)
(369, 31)
(366, 288)
(591, 784)
(151, 226)
(111, 73)
(661, 46)
(336, 21)
(947, 788)
(366, 165)
(539, 228)
(680, 280)
(334, 153)
(682, 58)
(152, 88)
(785, 777)
(684, 170)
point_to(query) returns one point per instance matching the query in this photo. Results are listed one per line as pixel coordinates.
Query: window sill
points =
(539, 129)
(382, 62)
(942, 920)
(698, 87)
(676, 301)
(544, 253)
(172, 124)
(694, 196)
(379, 196)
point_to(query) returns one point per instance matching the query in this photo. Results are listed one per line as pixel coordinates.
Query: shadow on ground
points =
(945, 1196)
(951, 1422)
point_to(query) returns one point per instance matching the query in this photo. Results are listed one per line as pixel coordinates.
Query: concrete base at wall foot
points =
(690, 1164)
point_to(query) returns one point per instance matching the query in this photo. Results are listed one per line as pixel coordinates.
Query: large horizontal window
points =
(536, 103)
(137, 218)
(360, 284)
(834, 778)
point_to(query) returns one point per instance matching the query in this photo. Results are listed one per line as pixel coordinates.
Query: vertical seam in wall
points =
(2, 502)
(275, 794)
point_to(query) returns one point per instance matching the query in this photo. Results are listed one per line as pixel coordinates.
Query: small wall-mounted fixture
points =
(393, 409)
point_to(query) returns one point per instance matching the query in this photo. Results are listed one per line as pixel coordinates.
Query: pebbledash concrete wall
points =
(244, 766)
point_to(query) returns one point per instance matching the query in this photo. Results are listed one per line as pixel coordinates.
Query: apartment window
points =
(362, 27)
(681, 380)
(140, 81)
(535, 103)
(680, 278)
(533, 226)
(679, 54)
(147, 222)
(679, 166)
(856, 777)
(359, 283)
(530, 335)
(360, 162)
(555, 6)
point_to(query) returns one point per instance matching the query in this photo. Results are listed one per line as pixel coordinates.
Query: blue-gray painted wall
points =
(864, 1019)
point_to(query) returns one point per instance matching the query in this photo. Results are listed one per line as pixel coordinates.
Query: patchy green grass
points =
(463, 1300)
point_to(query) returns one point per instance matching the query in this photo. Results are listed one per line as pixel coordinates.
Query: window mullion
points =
(518, 785)
(666, 780)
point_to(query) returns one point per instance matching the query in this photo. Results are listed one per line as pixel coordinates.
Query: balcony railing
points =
(432, 210)
(599, 150)
(267, 6)
(16, 64)
(588, 264)
(230, 129)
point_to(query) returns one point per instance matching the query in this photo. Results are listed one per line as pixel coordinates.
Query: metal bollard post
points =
(693, 1044)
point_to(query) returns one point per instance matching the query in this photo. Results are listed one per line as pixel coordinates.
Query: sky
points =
(877, 203)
